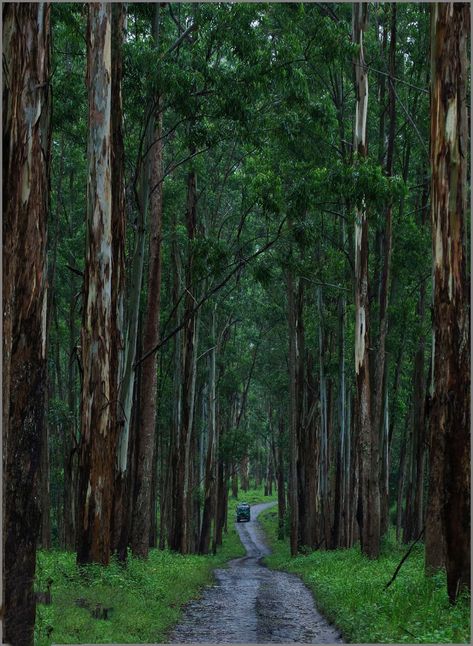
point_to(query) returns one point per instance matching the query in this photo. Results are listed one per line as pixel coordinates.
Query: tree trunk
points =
(401, 481)
(419, 422)
(293, 435)
(281, 480)
(175, 502)
(183, 513)
(134, 290)
(141, 516)
(310, 453)
(380, 371)
(118, 248)
(369, 500)
(26, 167)
(210, 465)
(98, 435)
(70, 440)
(244, 470)
(450, 415)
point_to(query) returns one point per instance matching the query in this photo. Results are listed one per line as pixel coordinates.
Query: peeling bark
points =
(369, 500)
(449, 485)
(98, 437)
(26, 177)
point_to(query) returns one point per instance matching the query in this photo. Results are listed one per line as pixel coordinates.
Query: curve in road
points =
(251, 604)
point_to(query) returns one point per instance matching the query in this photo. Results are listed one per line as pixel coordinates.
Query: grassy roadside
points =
(146, 597)
(349, 591)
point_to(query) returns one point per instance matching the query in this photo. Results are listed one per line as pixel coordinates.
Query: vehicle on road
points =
(243, 512)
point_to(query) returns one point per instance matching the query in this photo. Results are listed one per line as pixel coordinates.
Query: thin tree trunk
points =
(293, 435)
(189, 349)
(141, 515)
(175, 525)
(380, 371)
(400, 483)
(70, 440)
(210, 465)
(26, 168)
(118, 251)
(281, 480)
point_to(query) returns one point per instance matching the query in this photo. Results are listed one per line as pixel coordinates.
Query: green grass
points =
(146, 596)
(348, 589)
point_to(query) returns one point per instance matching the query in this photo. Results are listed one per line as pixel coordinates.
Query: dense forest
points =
(235, 254)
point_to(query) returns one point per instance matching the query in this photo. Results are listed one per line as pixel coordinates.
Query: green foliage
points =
(145, 597)
(349, 590)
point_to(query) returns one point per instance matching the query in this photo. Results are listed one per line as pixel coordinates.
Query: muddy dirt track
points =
(251, 604)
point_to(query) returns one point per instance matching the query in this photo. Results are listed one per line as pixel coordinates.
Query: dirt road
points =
(251, 604)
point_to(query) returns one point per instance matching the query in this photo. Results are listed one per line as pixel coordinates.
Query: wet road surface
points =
(251, 604)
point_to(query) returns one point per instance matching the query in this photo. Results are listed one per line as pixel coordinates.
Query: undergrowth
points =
(144, 598)
(349, 591)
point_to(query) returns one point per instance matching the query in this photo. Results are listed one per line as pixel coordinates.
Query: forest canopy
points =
(250, 239)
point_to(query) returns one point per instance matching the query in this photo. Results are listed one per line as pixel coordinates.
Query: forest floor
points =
(349, 590)
(145, 598)
(251, 604)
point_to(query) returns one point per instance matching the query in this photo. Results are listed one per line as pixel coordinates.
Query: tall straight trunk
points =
(369, 500)
(45, 489)
(339, 533)
(217, 484)
(380, 372)
(310, 455)
(349, 494)
(305, 514)
(234, 483)
(281, 479)
(26, 174)
(401, 482)
(419, 422)
(385, 460)
(324, 423)
(70, 441)
(45, 539)
(293, 435)
(410, 480)
(127, 376)
(175, 503)
(450, 415)
(189, 350)
(118, 246)
(222, 503)
(141, 515)
(244, 471)
(355, 472)
(153, 497)
(210, 464)
(98, 435)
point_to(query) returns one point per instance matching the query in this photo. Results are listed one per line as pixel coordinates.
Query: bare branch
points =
(206, 297)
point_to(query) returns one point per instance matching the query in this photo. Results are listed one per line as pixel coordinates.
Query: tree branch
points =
(205, 298)
(403, 559)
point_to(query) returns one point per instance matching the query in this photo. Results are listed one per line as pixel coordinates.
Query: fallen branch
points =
(396, 572)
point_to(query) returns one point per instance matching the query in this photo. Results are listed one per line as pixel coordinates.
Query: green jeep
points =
(243, 512)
